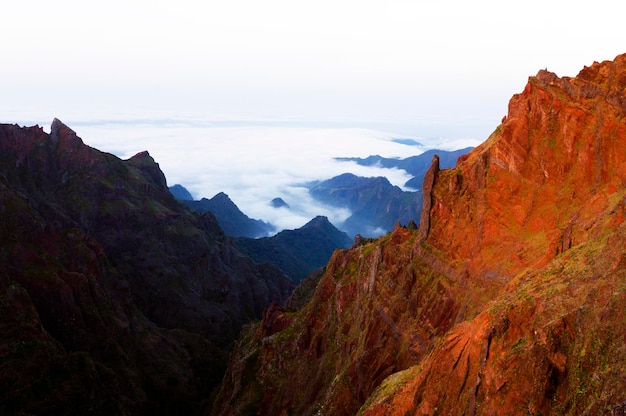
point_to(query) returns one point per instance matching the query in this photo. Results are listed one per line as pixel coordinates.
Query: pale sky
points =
(439, 68)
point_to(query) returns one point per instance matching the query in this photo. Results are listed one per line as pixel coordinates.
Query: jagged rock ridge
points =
(510, 302)
(114, 298)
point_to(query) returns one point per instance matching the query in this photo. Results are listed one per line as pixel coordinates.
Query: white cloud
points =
(253, 165)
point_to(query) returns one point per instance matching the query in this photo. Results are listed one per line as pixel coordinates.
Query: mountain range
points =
(296, 252)
(375, 204)
(416, 166)
(510, 298)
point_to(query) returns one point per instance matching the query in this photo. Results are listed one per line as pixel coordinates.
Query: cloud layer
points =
(254, 164)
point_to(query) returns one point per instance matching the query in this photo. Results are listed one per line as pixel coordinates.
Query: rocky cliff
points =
(510, 301)
(114, 298)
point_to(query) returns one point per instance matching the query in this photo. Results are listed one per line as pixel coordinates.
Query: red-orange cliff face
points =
(510, 299)
(538, 183)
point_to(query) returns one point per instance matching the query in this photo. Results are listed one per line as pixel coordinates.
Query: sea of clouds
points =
(254, 162)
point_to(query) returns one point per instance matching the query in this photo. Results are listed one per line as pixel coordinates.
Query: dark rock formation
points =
(114, 298)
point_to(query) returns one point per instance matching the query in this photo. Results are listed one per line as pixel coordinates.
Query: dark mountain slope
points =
(297, 252)
(234, 222)
(114, 297)
(509, 299)
(181, 193)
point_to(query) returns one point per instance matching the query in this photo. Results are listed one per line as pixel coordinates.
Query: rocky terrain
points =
(509, 299)
(114, 297)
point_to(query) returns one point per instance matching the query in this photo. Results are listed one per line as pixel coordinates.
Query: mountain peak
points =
(101, 269)
(181, 193)
(143, 158)
(319, 222)
(149, 166)
(62, 135)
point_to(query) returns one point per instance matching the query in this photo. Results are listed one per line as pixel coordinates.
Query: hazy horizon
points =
(347, 75)
(435, 69)
(255, 163)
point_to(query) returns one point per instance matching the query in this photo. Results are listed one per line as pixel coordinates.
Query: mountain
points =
(297, 252)
(279, 203)
(114, 297)
(414, 165)
(375, 204)
(509, 299)
(181, 193)
(234, 222)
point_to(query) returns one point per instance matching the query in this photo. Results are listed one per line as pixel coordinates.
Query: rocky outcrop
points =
(427, 188)
(114, 298)
(511, 304)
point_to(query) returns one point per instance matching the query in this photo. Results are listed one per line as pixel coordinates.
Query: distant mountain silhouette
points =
(230, 218)
(414, 165)
(181, 193)
(279, 203)
(376, 204)
(297, 252)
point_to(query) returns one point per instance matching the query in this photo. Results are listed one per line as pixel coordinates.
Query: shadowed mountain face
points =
(114, 298)
(181, 193)
(297, 252)
(376, 204)
(234, 222)
(509, 299)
